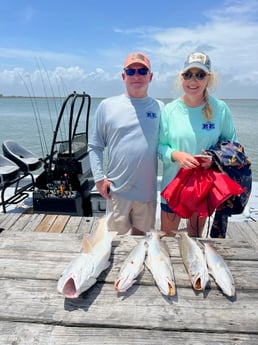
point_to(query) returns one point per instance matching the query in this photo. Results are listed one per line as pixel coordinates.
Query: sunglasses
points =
(132, 71)
(189, 75)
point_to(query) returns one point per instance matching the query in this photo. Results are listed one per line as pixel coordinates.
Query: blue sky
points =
(56, 47)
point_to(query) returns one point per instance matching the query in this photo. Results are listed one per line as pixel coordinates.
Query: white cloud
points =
(229, 35)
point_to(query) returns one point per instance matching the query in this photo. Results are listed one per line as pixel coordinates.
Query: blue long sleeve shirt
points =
(128, 128)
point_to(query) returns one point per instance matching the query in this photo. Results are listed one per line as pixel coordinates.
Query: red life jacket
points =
(199, 190)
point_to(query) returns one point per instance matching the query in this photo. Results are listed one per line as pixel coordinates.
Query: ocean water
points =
(32, 121)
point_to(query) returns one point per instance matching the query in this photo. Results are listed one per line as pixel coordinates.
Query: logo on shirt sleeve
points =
(151, 115)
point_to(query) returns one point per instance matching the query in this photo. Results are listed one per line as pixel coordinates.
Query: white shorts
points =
(129, 213)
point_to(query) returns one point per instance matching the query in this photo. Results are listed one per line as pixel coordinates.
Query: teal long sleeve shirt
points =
(183, 128)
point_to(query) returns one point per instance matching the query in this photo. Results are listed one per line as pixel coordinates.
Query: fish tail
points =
(180, 231)
(171, 289)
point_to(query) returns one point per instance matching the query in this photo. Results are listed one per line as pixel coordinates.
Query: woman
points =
(190, 125)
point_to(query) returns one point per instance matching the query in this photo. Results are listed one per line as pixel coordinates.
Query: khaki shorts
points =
(129, 213)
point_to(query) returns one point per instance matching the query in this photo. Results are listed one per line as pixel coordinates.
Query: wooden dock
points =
(35, 249)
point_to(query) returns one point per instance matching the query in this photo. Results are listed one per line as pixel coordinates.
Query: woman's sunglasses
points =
(132, 71)
(189, 75)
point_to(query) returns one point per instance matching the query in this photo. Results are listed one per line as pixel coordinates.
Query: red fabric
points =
(199, 190)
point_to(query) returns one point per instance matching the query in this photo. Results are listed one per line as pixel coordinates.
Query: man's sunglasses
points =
(132, 71)
(189, 75)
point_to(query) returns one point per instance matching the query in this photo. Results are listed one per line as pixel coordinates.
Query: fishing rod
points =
(35, 113)
(46, 96)
(41, 133)
(64, 130)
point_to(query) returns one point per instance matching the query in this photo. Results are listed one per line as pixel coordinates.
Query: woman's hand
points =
(187, 161)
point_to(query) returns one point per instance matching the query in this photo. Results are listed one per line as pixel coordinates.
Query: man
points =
(128, 126)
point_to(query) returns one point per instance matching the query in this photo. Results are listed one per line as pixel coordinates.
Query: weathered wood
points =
(229, 249)
(248, 233)
(39, 334)
(33, 221)
(144, 306)
(72, 225)
(86, 225)
(46, 223)
(49, 265)
(7, 220)
(42, 241)
(59, 224)
(32, 312)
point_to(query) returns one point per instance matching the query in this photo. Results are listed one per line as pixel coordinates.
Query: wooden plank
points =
(65, 242)
(59, 223)
(22, 223)
(87, 224)
(40, 334)
(244, 231)
(46, 223)
(72, 225)
(251, 234)
(21, 255)
(38, 301)
(9, 219)
(33, 221)
(40, 242)
(16, 264)
(33, 312)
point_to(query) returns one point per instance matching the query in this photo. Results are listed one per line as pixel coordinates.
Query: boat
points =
(65, 183)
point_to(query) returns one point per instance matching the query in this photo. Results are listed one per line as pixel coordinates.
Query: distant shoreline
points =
(230, 99)
(2, 96)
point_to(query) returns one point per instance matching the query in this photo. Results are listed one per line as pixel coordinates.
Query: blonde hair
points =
(207, 110)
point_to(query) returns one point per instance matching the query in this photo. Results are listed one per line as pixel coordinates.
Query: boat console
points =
(65, 185)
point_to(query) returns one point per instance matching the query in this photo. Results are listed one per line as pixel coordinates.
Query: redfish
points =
(219, 270)
(132, 267)
(159, 263)
(83, 271)
(194, 261)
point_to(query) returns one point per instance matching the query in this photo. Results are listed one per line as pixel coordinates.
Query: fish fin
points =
(113, 234)
(102, 229)
(165, 247)
(162, 233)
(99, 231)
(86, 245)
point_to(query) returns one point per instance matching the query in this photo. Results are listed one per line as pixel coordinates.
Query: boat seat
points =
(11, 177)
(25, 159)
(9, 171)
